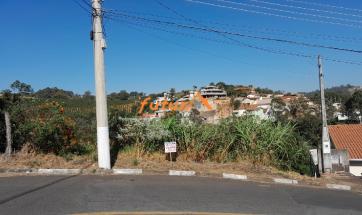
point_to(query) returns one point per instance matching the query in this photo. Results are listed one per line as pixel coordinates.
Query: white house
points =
(211, 91)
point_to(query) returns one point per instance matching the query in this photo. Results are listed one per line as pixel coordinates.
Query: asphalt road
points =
(85, 194)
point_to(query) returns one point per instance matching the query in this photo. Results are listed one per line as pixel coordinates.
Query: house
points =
(248, 101)
(188, 97)
(160, 99)
(212, 92)
(252, 110)
(340, 116)
(264, 102)
(348, 137)
(220, 108)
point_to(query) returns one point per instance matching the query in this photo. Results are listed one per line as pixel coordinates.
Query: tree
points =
(354, 105)
(135, 94)
(6, 102)
(221, 85)
(298, 107)
(278, 108)
(122, 95)
(310, 128)
(264, 90)
(51, 93)
(172, 92)
(21, 88)
(236, 104)
(87, 94)
(184, 92)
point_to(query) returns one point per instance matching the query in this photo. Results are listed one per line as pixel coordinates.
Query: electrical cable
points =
(273, 14)
(213, 30)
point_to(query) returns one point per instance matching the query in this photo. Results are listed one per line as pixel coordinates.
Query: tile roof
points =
(347, 137)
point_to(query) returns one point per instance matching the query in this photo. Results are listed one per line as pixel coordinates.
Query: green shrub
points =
(52, 131)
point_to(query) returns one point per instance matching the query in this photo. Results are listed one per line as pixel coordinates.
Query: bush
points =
(52, 132)
(147, 136)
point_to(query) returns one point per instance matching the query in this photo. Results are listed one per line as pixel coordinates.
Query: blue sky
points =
(46, 43)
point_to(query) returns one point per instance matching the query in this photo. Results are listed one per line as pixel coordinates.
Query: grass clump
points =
(233, 139)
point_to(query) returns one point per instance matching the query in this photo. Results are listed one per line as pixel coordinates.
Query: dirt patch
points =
(33, 160)
(156, 163)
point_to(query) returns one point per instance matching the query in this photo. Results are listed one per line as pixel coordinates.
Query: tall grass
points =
(233, 139)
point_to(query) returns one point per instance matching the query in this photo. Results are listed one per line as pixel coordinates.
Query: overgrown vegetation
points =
(63, 123)
(233, 139)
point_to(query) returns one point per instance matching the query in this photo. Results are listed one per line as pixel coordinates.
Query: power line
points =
(273, 14)
(294, 33)
(324, 5)
(114, 12)
(177, 44)
(273, 51)
(343, 61)
(87, 3)
(237, 42)
(305, 8)
(82, 6)
(213, 30)
(184, 34)
(266, 30)
(174, 11)
(268, 50)
(289, 11)
(143, 24)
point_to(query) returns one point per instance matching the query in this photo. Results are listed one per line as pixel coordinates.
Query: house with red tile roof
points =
(349, 137)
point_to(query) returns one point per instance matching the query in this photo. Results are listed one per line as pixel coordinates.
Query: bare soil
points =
(156, 163)
(33, 160)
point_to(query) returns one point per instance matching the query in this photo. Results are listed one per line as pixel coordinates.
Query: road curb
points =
(338, 187)
(285, 181)
(181, 173)
(59, 171)
(26, 170)
(127, 171)
(33, 171)
(234, 176)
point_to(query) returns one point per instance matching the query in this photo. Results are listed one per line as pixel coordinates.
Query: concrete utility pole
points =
(101, 97)
(326, 144)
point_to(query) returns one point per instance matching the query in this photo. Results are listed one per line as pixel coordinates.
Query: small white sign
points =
(170, 147)
(314, 154)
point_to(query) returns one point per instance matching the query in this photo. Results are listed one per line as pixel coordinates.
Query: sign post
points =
(169, 148)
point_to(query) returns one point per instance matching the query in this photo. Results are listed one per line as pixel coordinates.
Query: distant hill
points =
(336, 94)
(342, 89)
